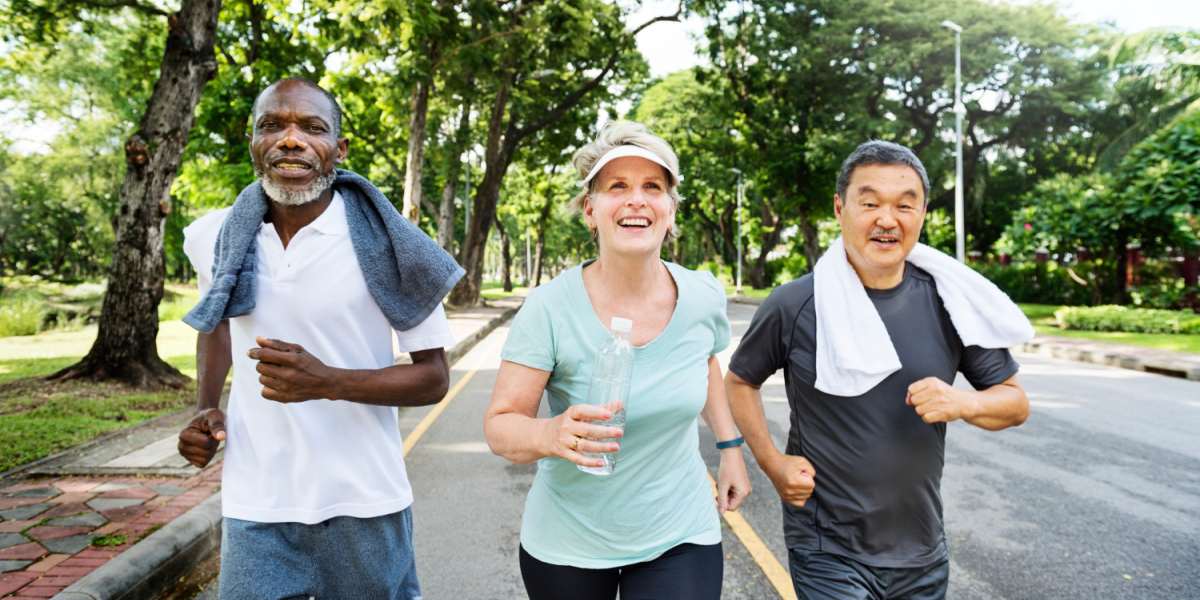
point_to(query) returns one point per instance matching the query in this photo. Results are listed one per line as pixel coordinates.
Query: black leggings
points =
(685, 572)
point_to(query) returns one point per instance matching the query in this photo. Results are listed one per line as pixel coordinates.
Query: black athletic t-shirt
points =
(879, 466)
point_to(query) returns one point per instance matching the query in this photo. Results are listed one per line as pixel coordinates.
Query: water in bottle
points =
(610, 386)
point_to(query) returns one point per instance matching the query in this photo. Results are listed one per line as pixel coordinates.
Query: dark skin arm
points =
(199, 440)
(289, 373)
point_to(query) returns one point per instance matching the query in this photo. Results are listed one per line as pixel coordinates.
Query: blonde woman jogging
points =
(651, 528)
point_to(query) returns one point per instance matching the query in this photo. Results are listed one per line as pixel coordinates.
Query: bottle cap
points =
(620, 325)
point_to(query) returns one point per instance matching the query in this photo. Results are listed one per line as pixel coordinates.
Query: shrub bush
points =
(1123, 318)
(1037, 283)
(1165, 293)
(21, 313)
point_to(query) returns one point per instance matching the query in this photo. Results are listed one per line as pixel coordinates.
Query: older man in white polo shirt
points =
(314, 490)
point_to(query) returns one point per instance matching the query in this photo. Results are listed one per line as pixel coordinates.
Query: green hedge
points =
(1132, 320)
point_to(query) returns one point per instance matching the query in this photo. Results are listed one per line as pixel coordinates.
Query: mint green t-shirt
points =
(658, 496)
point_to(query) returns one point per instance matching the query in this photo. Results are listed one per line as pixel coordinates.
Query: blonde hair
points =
(625, 133)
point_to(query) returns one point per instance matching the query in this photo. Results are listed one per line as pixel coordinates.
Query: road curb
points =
(1095, 353)
(1112, 358)
(464, 345)
(157, 562)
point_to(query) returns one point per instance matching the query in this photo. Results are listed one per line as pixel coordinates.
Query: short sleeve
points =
(199, 245)
(531, 337)
(433, 332)
(985, 367)
(719, 318)
(763, 350)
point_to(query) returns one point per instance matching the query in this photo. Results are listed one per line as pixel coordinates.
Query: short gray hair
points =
(879, 152)
(625, 133)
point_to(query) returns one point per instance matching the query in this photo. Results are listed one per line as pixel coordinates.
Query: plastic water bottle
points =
(610, 386)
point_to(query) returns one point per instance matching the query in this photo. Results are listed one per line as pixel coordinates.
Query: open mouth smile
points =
(634, 223)
(291, 167)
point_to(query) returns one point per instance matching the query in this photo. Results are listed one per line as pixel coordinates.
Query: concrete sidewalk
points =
(125, 517)
(1138, 358)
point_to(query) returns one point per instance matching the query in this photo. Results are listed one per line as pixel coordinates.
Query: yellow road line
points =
(775, 572)
(410, 440)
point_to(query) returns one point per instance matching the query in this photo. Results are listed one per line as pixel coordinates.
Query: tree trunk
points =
(466, 293)
(125, 346)
(498, 156)
(540, 246)
(812, 240)
(538, 249)
(503, 138)
(759, 278)
(416, 150)
(505, 256)
(445, 226)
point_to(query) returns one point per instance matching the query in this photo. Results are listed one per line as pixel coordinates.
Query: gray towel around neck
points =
(407, 273)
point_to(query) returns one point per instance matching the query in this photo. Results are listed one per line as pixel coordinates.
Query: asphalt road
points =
(1096, 496)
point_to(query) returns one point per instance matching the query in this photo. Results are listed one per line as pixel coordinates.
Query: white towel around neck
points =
(854, 351)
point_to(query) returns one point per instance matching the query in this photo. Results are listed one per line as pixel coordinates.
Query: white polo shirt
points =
(310, 461)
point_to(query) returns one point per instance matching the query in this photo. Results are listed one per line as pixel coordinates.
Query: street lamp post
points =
(959, 109)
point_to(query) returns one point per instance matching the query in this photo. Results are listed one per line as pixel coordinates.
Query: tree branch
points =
(256, 16)
(574, 97)
(397, 170)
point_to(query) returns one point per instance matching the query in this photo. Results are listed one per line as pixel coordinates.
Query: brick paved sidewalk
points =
(52, 530)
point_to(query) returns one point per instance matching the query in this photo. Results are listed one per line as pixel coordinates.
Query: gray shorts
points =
(825, 576)
(343, 557)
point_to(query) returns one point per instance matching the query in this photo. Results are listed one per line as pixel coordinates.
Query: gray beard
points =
(289, 197)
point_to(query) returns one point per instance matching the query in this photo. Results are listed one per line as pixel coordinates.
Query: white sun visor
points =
(629, 150)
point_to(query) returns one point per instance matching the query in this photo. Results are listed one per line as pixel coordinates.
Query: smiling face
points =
(881, 219)
(629, 207)
(294, 147)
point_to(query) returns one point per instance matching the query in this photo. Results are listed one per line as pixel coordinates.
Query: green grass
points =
(1040, 313)
(39, 418)
(749, 292)
(109, 539)
(1042, 317)
(29, 305)
(495, 291)
(177, 300)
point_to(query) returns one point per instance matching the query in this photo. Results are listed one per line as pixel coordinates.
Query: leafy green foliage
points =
(938, 230)
(788, 90)
(1064, 214)
(1159, 180)
(1165, 292)
(57, 203)
(696, 120)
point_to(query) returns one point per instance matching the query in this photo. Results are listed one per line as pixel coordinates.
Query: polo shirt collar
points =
(333, 220)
